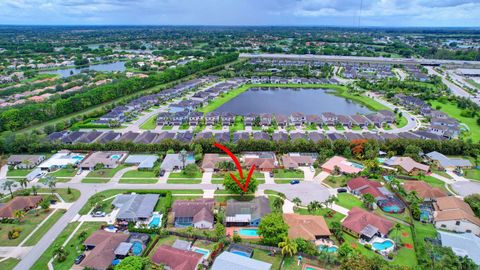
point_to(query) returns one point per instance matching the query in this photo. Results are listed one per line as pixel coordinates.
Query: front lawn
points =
(337, 181)
(167, 127)
(139, 174)
(182, 175)
(473, 174)
(95, 180)
(238, 124)
(53, 218)
(283, 173)
(150, 123)
(348, 201)
(28, 224)
(18, 172)
(9, 264)
(137, 181)
(105, 173)
(183, 181)
(63, 192)
(64, 173)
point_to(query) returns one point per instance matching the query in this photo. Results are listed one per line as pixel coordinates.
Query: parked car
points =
(271, 174)
(312, 169)
(79, 258)
(341, 190)
(294, 182)
(98, 214)
(79, 171)
(162, 172)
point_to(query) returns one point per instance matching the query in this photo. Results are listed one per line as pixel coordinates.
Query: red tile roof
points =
(423, 189)
(365, 186)
(176, 259)
(103, 254)
(358, 219)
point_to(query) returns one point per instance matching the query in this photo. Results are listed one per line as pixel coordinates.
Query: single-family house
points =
(261, 135)
(222, 137)
(25, 161)
(453, 214)
(102, 245)
(462, 244)
(196, 213)
(266, 119)
(108, 160)
(210, 162)
(365, 225)
(344, 166)
(281, 120)
(24, 203)
(177, 259)
(135, 207)
(308, 227)
(142, 161)
(263, 161)
(231, 261)
(407, 164)
(296, 160)
(280, 136)
(62, 159)
(246, 213)
(211, 118)
(443, 162)
(296, 118)
(423, 190)
(173, 162)
(194, 118)
(227, 118)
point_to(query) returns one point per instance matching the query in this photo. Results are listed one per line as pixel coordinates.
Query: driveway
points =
(465, 188)
(308, 175)
(268, 179)
(119, 174)
(77, 178)
(3, 172)
(207, 177)
(306, 191)
(321, 176)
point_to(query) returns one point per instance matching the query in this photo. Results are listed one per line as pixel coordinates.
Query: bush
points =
(14, 233)
(368, 246)
(236, 238)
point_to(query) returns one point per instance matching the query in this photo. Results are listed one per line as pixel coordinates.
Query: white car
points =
(312, 169)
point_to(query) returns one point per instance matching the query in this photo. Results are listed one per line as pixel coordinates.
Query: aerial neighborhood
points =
(237, 148)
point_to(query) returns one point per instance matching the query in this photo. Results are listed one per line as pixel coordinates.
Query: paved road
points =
(455, 89)
(465, 188)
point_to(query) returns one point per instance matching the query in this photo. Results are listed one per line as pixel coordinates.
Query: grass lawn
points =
(183, 181)
(9, 264)
(150, 124)
(181, 175)
(356, 127)
(217, 181)
(348, 201)
(63, 192)
(337, 181)
(263, 255)
(322, 212)
(434, 182)
(401, 121)
(95, 180)
(224, 98)
(452, 110)
(64, 173)
(106, 173)
(167, 127)
(45, 227)
(186, 191)
(18, 172)
(282, 181)
(311, 127)
(238, 124)
(137, 181)
(184, 126)
(283, 173)
(139, 174)
(473, 174)
(28, 224)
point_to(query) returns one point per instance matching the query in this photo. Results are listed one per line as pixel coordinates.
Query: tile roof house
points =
(231, 261)
(342, 163)
(177, 259)
(24, 203)
(108, 136)
(210, 162)
(102, 246)
(407, 164)
(25, 161)
(423, 190)
(197, 213)
(90, 137)
(129, 136)
(297, 135)
(316, 136)
(135, 207)
(296, 118)
(447, 163)
(246, 213)
(266, 119)
(227, 118)
(164, 136)
(360, 120)
(453, 214)
(173, 162)
(366, 225)
(222, 137)
(240, 136)
(263, 161)
(142, 161)
(281, 120)
(308, 227)
(107, 159)
(146, 137)
(260, 135)
(184, 137)
(295, 160)
(360, 186)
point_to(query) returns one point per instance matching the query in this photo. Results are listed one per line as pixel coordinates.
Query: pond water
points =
(286, 101)
(109, 67)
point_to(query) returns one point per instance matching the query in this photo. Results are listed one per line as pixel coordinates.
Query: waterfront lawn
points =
(285, 173)
(9, 263)
(223, 98)
(54, 217)
(348, 201)
(150, 123)
(28, 224)
(453, 111)
(18, 172)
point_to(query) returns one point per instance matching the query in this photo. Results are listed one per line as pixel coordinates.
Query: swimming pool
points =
(116, 156)
(356, 165)
(391, 208)
(381, 160)
(202, 251)
(386, 244)
(77, 157)
(155, 222)
(328, 249)
(248, 232)
(137, 248)
(241, 253)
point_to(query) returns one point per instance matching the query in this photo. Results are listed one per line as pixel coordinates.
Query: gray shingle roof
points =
(231, 261)
(135, 206)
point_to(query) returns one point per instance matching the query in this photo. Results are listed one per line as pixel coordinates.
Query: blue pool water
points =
(391, 208)
(78, 157)
(248, 232)
(241, 253)
(154, 222)
(356, 165)
(201, 251)
(381, 160)
(116, 156)
(328, 249)
(137, 248)
(383, 245)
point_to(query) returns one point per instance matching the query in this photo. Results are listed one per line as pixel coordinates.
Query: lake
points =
(110, 67)
(287, 100)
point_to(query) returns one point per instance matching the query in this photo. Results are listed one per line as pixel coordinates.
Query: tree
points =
(19, 215)
(191, 170)
(337, 231)
(51, 182)
(278, 204)
(314, 206)
(474, 202)
(23, 182)
(273, 229)
(189, 231)
(35, 190)
(336, 170)
(368, 200)
(297, 201)
(183, 157)
(59, 253)
(397, 228)
(132, 263)
(288, 246)
(219, 230)
(231, 186)
(8, 185)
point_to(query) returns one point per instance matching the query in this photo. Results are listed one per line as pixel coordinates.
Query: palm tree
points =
(278, 203)
(34, 190)
(19, 214)
(183, 157)
(314, 206)
(51, 182)
(421, 175)
(23, 182)
(289, 247)
(189, 231)
(297, 201)
(60, 253)
(9, 184)
(368, 200)
(398, 227)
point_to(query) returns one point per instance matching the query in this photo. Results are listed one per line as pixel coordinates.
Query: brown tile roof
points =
(176, 259)
(456, 214)
(103, 254)
(451, 202)
(423, 189)
(365, 186)
(260, 163)
(294, 161)
(408, 164)
(19, 203)
(306, 226)
(358, 219)
(210, 160)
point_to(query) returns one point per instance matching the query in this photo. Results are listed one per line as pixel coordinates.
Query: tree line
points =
(16, 118)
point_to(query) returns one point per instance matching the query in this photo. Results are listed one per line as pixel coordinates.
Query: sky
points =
(350, 13)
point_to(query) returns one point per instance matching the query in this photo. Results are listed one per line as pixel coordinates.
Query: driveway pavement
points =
(465, 188)
(207, 177)
(119, 174)
(306, 191)
(268, 179)
(308, 175)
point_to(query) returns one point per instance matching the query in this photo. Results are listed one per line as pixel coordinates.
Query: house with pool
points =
(246, 213)
(100, 249)
(137, 208)
(311, 228)
(196, 213)
(263, 161)
(407, 165)
(60, 160)
(177, 259)
(108, 159)
(344, 166)
(173, 162)
(369, 229)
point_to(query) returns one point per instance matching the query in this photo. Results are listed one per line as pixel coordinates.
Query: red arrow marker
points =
(239, 168)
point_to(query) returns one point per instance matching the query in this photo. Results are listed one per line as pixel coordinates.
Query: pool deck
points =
(230, 231)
